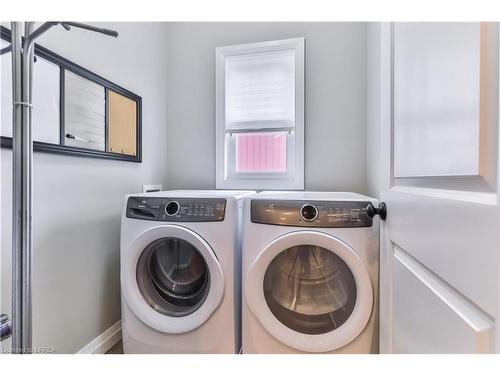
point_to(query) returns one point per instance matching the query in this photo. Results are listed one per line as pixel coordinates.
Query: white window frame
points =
(293, 179)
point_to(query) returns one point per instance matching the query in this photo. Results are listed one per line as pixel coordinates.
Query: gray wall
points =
(335, 157)
(373, 168)
(77, 201)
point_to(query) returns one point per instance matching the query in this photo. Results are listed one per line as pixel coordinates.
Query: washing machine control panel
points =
(324, 214)
(176, 209)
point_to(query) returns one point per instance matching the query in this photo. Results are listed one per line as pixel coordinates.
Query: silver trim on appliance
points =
(329, 214)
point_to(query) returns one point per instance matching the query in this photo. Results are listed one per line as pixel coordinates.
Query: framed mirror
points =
(75, 111)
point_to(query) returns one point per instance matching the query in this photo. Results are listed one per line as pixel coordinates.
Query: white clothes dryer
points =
(310, 273)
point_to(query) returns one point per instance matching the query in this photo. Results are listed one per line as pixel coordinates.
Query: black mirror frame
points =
(65, 64)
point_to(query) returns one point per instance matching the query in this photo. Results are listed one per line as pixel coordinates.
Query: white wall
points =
(335, 157)
(77, 201)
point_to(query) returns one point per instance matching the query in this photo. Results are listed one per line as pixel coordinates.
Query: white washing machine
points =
(179, 272)
(310, 273)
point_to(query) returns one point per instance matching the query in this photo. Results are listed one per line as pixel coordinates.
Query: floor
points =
(117, 349)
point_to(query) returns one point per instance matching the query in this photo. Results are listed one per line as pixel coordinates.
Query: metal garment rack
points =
(22, 149)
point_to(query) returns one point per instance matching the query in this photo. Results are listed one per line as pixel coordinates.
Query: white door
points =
(439, 140)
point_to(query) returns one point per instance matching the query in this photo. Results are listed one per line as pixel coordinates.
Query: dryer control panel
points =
(324, 214)
(176, 209)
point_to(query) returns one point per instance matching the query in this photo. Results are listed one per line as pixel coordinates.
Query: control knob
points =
(308, 212)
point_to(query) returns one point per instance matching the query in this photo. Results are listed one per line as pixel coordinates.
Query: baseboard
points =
(105, 341)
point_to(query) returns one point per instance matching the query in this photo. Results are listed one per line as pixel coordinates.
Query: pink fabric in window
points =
(261, 152)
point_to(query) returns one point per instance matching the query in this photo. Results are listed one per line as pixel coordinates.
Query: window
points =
(260, 115)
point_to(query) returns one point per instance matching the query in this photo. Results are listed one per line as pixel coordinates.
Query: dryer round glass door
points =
(310, 290)
(173, 277)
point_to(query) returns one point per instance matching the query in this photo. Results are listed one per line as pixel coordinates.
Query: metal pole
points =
(26, 189)
(22, 147)
(22, 249)
(22, 63)
(17, 207)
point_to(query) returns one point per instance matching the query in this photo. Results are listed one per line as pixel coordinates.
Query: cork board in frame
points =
(122, 124)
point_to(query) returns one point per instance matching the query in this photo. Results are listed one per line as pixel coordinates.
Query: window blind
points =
(260, 91)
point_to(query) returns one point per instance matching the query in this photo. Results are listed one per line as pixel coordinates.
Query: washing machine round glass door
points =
(175, 281)
(311, 291)
(173, 276)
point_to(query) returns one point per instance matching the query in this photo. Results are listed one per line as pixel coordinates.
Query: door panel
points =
(431, 317)
(440, 229)
(439, 256)
(436, 99)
